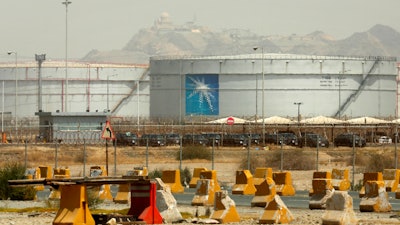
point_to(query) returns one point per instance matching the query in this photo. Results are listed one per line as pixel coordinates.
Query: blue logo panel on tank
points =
(202, 94)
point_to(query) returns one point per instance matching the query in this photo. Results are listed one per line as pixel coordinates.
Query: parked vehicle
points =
(152, 140)
(172, 139)
(194, 139)
(384, 140)
(235, 140)
(213, 137)
(284, 138)
(126, 138)
(254, 138)
(311, 140)
(346, 139)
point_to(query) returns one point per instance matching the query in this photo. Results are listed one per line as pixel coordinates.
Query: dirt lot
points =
(301, 162)
(226, 162)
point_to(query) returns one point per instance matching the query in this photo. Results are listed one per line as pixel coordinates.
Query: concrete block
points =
(244, 184)
(196, 176)
(339, 210)
(283, 182)
(224, 208)
(265, 193)
(276, 212)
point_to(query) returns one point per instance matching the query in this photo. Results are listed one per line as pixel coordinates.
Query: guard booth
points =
(68, 127)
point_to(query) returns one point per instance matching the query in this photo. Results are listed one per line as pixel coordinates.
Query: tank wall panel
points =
(317, 83)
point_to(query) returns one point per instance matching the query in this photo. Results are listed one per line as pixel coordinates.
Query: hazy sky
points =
(32, 27)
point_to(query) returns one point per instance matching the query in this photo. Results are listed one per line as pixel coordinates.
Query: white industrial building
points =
(256, 85)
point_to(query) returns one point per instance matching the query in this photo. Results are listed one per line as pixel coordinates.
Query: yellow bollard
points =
(340, 179)
(74, 208)
(224, 208)
(244, 183)
(196, 176)
(172, 178)
(283, 182)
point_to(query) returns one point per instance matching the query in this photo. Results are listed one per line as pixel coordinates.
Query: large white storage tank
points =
(120, 89)
(216, 86)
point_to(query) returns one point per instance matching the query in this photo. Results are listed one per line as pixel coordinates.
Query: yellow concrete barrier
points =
(369, 177)
(196, 176)
(211, 174)
(123, 194)
(244, 183)
(103, 191)
(224, 208)
(391, 177)
(205, 192)
(276, 212)
(172, 178)
(265, 193)
(35, 174)
(340, 179)
(55, 194)
(73, 206)
(261, 174)
(321, 191)
(339, 210)
(375, 197)
(283, 182)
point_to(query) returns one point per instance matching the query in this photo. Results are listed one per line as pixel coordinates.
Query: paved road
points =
(300, 200)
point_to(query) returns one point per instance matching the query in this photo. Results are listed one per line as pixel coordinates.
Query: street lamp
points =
(66, 3)
(262, 91)
(40, 58)
(16, 91)
(298, 110)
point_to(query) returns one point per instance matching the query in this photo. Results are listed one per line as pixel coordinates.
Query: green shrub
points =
(292, 160)
(194, 152)
(155, 174)
(379, 162)
(186, 176)
(14, 171)
(93, 197)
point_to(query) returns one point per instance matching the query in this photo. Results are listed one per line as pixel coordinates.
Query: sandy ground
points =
(248, 215)
(226, 166)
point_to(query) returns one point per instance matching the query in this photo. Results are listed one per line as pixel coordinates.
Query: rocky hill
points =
(165, 38)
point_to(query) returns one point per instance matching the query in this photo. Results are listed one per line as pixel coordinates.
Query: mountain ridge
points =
(164, 38)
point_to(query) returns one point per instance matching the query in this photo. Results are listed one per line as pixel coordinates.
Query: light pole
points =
(298, 110)
(16, 91)
(40, 58)
(138, 105)
(66, 3)
(262, 91)
(2, 115)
